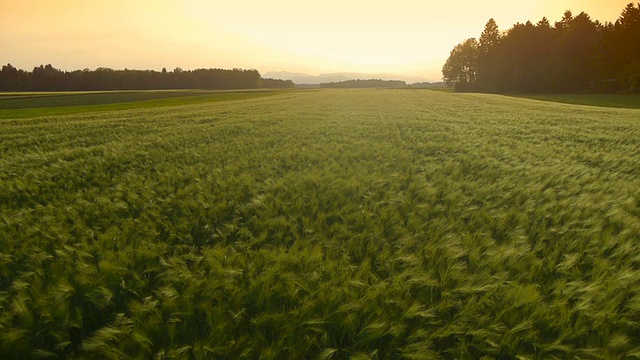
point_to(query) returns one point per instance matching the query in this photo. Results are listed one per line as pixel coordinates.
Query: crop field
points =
(325, 224)
(23, 105)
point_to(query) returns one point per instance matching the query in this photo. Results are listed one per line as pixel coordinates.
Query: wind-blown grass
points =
(332, 224)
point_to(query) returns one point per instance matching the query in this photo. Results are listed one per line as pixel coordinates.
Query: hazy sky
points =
(400, 36)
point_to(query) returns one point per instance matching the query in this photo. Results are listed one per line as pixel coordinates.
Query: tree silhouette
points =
(489, 40)
(627, 53)
(12, 78)
(577, 54)
(462, 65)
(48, 78)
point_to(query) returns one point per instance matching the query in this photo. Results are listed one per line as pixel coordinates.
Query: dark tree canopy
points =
(576, 54)
(462, 65)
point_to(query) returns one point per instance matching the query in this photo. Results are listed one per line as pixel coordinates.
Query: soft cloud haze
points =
(409, 37)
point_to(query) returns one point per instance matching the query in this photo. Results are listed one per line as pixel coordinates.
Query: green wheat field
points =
(320, 224)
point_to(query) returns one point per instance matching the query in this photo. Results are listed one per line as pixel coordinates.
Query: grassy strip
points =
(121, 101)
(65, 99)
(629, 101)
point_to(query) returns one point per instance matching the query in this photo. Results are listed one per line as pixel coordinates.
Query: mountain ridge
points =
(304, 79)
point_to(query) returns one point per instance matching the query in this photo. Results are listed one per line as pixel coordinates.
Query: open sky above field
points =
(402, 37)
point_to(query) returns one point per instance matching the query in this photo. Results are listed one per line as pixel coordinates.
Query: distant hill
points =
(369, 83)
(301, 78)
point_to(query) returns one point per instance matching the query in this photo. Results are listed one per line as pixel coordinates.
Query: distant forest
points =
(370, 83)
(576, 54)
(48, 78)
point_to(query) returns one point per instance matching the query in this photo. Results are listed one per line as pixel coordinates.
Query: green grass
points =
(16, 105)
(330, 224)
(631, 101)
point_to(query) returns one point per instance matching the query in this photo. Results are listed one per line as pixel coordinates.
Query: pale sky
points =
(402, 37)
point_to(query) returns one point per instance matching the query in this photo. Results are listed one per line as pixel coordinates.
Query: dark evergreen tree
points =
(627, 47)
(487, 56)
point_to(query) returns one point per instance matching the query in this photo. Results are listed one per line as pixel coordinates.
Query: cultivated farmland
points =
(326, 224)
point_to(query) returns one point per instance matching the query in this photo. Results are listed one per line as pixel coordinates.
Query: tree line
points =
(48, 78)
(576, 54)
